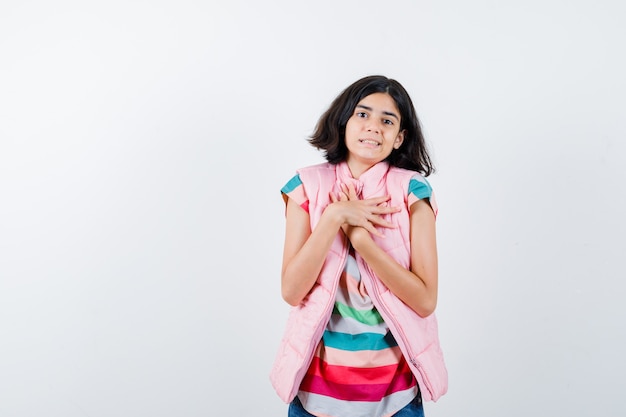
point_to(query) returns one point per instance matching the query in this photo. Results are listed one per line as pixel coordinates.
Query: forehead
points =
(380, 102)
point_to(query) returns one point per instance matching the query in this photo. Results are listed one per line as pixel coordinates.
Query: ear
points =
(399, 139)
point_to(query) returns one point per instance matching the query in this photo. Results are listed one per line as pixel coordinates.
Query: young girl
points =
(360, 264)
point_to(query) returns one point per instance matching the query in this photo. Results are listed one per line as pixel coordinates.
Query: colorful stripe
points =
(356, 392)
(361, 358)
(420, 188)
(295, 190)
(324, 406)
(357, 376)
(291, 185)
(350, 326)
(369, 317)
(362, 341)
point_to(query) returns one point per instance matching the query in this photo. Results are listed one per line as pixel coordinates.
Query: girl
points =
(360, 264)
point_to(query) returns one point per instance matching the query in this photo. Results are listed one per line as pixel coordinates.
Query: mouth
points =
(370, 142)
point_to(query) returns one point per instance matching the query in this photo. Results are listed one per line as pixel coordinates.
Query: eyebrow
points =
(387, 113)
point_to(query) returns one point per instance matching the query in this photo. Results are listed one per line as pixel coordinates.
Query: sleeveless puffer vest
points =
(416, 336)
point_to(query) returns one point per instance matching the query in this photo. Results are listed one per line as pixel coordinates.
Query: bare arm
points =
(305, 251)
(416, 287)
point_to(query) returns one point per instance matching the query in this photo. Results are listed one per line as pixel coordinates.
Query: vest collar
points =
(370, 184)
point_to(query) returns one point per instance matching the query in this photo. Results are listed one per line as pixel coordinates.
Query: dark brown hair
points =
(329, 134)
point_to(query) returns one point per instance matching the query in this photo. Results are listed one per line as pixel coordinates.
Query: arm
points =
(417, 287)
(305, 250)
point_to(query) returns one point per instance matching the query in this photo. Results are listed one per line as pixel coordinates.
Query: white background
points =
(143, 145)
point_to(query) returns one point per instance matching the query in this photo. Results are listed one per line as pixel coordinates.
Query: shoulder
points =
(324, 166)
(296, 181)
(403, 172)
(314, 176)
(306, 179)
(416, 182)
(416, 185)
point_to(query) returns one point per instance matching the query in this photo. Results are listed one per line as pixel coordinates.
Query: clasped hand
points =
(359, 217)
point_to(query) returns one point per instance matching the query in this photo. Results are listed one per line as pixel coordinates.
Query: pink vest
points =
(416, 336)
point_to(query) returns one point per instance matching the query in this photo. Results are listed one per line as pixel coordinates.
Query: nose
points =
(373, 126)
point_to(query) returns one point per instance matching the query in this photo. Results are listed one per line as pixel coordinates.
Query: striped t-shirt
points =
(358, 368)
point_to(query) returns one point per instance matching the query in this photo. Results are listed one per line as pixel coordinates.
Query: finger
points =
(379, 221)
(340, 196)
(352, 192)
(378, 201)
(385, 210)
(343, 192)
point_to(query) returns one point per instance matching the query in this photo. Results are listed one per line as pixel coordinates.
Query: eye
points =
(388, 122)
(361, 114)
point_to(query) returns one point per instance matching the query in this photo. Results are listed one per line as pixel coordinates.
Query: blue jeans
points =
(413, 409)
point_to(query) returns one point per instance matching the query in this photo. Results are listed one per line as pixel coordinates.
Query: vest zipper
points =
(395, 329)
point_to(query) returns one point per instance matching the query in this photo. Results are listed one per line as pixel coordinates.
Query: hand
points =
(366, 214)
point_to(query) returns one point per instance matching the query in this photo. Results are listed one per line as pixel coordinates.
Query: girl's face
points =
(372, 132)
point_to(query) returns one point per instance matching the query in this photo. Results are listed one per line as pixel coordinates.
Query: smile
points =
(369, 142)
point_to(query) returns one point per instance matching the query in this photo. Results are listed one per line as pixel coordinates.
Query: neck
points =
(358, 168)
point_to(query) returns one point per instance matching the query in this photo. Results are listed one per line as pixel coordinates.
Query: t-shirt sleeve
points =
(419, 189)
(295, 190)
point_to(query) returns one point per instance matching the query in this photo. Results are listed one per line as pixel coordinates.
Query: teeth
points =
(372, 142)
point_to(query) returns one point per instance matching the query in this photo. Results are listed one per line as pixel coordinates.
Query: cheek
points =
(393, 135)
(351, 129)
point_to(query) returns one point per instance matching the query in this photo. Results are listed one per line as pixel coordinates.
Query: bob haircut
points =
(329, 134)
